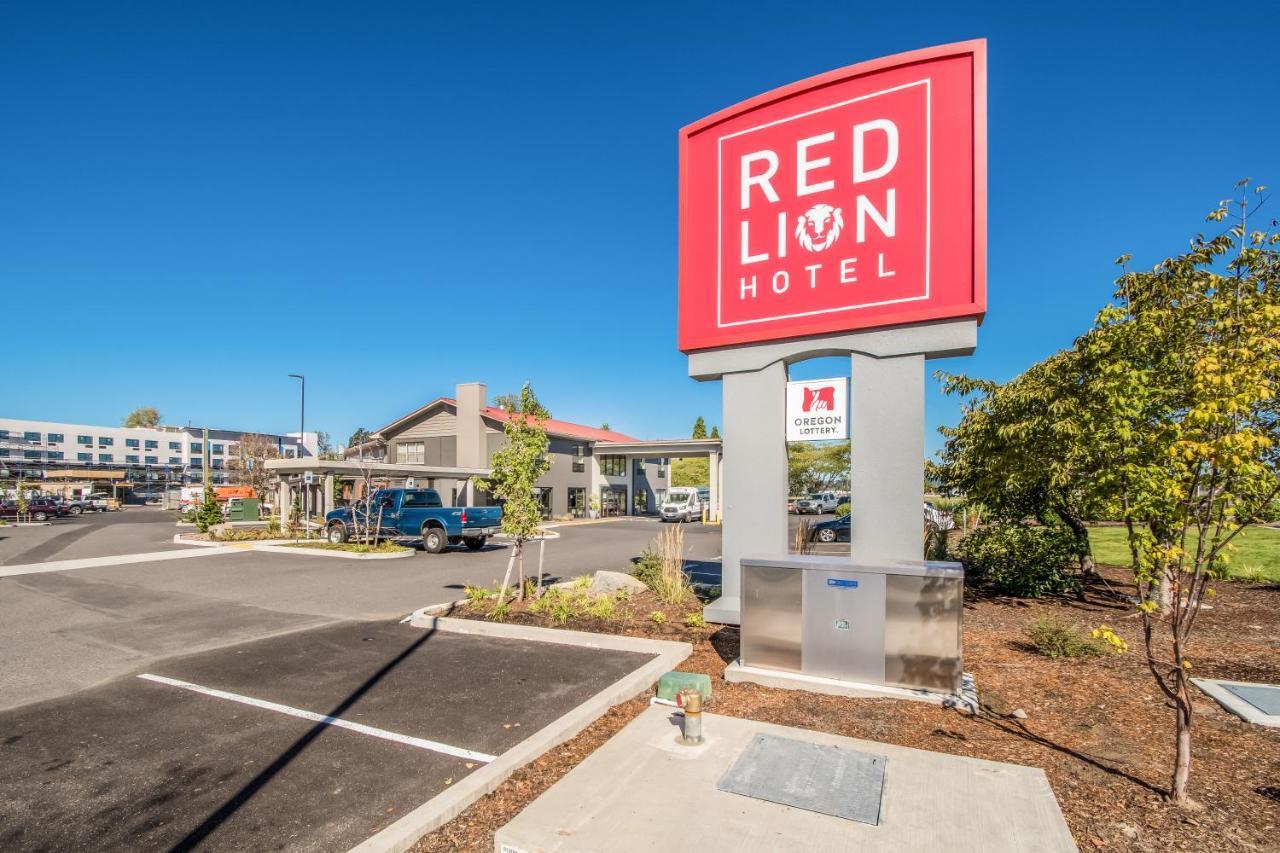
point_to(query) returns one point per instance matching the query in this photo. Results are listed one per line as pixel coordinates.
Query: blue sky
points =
(196, 200)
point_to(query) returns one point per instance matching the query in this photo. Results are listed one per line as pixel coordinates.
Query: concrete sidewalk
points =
(642, 791)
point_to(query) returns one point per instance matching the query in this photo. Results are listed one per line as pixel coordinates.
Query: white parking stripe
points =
(421, 743)
(119, 560)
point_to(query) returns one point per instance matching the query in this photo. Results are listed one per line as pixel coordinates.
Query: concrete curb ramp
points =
(447, 805)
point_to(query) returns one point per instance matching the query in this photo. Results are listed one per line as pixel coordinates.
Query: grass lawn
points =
(1256, 548)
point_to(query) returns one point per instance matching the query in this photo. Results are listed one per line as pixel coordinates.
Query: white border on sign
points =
(928, 209)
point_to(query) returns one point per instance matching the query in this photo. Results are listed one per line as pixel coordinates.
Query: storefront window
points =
(613, 466)
(577, 502)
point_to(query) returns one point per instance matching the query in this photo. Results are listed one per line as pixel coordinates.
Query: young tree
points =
(210, 512)
(324, 446)
(360, 436)
(715, 431)
(1167, 413)
(248, 465)
(517, 465)
(699, 428)
(145, 416)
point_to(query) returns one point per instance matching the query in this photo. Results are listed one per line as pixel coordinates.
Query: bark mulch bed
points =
(1099, 727)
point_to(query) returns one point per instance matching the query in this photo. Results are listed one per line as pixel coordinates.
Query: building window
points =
(55, 438)
(55, 455)
(577, 502)
(84, 439)
(31, 436)
(151, 445)
(579, 461)
(197, 447)
(31, 454)
(151, 460)
(640, 466)
(84, 457)
(613, 466)
(4, 451)
(216, 464)
(175, 445)
(174, 460)
(131, 458)
(132, 442)
(662, 469)
(4, 434)
(105, 457)
(197, 463)
(411, 453)
(216, 448)
(105, 441)
(543, 493)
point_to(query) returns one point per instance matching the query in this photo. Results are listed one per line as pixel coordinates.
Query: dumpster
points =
(242, 509)
(890, 622)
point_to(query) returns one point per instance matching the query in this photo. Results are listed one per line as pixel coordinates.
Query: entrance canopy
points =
(679, 448)
(451, 482)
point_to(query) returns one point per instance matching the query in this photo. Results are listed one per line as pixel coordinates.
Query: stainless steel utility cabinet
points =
(894, 623)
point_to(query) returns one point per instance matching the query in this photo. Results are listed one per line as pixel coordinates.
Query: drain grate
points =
(1261, 696)
(817, 778)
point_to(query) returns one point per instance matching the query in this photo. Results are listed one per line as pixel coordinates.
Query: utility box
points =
(243, 509)
(894, 623)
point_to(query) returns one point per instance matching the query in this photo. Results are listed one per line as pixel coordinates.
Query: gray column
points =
(755, 494)
(282, 508)
(328, 494)
(713, 481)
(886, 430)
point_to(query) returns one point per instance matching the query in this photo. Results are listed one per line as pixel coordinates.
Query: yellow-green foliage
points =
(657, 617)
(1055, 638)
(695, 619)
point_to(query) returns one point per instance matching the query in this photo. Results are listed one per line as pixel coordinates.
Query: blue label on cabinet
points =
(841, 582)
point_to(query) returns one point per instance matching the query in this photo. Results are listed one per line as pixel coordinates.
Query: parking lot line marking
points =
(409, 740)
(118, 560)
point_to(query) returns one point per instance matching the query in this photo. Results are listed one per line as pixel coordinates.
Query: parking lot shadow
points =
(258, 782)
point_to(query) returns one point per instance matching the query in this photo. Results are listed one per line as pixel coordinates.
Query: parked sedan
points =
(835, 530)
(39, 509)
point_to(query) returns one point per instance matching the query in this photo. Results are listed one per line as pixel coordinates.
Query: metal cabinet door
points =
(843, 631)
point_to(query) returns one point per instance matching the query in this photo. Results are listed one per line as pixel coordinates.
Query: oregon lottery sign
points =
(851, 200)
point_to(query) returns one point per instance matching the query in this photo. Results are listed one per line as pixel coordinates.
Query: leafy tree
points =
(715, 431)
(324, 446)
(517, 465)
(1167, 412)
(691, 471)
(360, 436)
(817, 467)
(699, 428)
(515, 403)
(145, 416)
(605, 425)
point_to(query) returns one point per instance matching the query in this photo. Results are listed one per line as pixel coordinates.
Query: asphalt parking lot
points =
(207, 750)
(92, 755)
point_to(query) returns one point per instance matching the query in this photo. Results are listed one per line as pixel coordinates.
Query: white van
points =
(685, 503)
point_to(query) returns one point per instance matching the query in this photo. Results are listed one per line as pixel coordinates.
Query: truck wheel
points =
(434, 540)
(473, 543)
(336, 534)
(40, 516)
(75, 510)
(826, 534)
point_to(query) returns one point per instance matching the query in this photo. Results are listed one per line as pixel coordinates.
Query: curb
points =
(448, 804)
(325, 552)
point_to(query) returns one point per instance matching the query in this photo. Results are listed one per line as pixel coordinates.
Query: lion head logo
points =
(819, 227)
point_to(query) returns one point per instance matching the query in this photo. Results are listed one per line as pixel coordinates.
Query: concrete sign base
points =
(642, 791)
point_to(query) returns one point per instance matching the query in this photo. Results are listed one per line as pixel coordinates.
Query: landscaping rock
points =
(1020, 714)
(611, 582)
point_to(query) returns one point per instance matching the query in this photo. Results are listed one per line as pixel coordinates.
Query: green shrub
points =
(1022, 560)
(661, 567)
(1249, 574)
(601, 607)
(842, 509)
(1054, 638)
(477, 595)
(695, 620)
(658, 617)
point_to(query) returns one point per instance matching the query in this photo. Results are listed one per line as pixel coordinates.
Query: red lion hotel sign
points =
(851, 200)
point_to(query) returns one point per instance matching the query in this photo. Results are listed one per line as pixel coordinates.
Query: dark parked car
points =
(40, 509)
(835, 530)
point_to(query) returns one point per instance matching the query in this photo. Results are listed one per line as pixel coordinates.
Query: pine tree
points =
(699, 428)
(715, 432)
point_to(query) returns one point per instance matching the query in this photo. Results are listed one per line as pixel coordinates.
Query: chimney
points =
(472, 449)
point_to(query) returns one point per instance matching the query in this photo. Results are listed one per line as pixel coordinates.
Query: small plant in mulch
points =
(1054, 638)
(695, 619)
(661, 567)
(657, 617)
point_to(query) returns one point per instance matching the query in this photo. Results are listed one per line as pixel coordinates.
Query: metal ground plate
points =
(1264, 697)
(818, 778)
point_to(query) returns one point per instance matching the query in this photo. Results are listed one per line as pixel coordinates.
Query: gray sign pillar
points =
(886, 429)
(886, 454)
(755, 494)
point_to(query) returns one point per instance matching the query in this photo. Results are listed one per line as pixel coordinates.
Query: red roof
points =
(564, 428)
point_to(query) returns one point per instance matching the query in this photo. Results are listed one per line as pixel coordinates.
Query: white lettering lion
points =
(819, 227)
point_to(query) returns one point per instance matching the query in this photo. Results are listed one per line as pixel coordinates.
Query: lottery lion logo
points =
(819, 227)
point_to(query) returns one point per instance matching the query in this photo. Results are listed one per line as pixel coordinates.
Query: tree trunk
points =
(520, 591)
(542, 550)
(506, 578)
(1182, 755)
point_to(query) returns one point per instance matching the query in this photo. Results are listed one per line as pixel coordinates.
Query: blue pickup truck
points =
(414, 513)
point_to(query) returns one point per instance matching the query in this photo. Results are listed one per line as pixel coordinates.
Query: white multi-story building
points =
(45, 450)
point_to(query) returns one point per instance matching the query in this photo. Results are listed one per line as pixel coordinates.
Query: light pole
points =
(302, 421)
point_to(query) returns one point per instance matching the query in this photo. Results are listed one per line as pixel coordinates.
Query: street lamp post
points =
(302, 444)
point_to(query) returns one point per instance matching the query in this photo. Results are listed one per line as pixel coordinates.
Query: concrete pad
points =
(642, 791)
(1249, 701)
(966, 700)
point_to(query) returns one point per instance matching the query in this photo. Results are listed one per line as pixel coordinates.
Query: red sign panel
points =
(852, 200)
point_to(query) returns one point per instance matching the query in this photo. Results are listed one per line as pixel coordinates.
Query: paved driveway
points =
(62, 631)
(132, 530)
